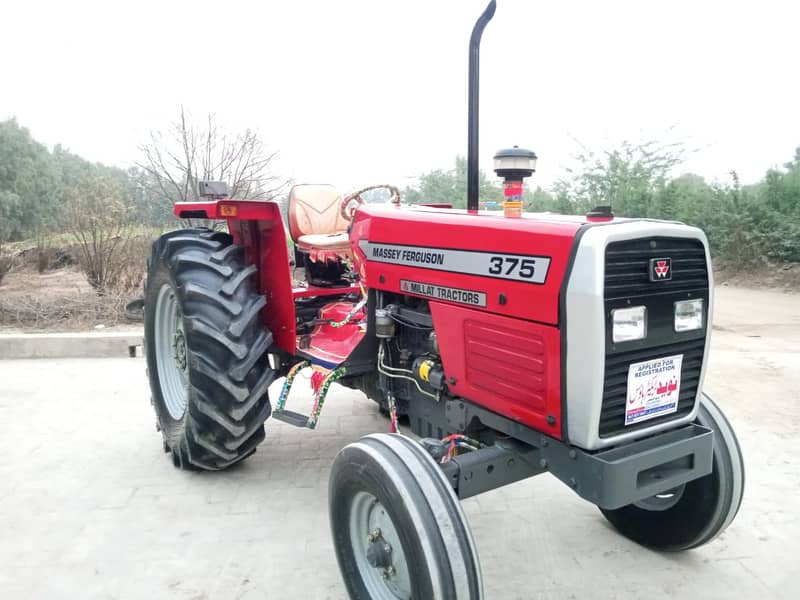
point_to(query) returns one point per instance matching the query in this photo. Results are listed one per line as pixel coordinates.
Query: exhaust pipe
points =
(473, 89)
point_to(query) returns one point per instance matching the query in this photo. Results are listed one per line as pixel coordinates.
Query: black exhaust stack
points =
(474, 71)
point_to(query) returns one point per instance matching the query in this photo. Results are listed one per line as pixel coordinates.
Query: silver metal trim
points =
(456, 260)
(585, 330)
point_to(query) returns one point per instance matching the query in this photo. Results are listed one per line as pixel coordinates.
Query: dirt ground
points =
(69, 281)
(58, 300)
(777, 277)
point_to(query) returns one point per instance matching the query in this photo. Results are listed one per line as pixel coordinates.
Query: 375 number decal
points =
(509, 265)
(526, 268)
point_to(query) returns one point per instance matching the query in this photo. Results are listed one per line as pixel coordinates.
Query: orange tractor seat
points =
(316, 223)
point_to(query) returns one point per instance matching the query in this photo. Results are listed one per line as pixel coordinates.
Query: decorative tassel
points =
(317, 377)
(392, 413)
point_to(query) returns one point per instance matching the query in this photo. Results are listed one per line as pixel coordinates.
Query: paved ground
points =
(91, 508)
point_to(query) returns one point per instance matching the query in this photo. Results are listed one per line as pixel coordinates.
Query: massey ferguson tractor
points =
(513, 343)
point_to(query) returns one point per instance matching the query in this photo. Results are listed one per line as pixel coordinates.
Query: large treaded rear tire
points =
(226, 370)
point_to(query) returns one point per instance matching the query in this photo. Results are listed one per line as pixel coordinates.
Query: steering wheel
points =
(351, 202)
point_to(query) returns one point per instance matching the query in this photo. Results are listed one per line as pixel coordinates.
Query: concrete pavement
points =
(90, 507)
(79, 344)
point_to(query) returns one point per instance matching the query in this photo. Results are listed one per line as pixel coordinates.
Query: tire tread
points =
(229, 372)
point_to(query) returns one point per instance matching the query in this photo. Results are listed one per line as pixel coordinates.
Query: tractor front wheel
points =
(398, 528)
(696, 512)
(206, 349)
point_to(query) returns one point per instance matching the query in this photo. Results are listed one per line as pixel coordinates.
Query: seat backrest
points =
(315, 208)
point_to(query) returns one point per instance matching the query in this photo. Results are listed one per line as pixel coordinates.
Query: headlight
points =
(629, 324)
(688, 315)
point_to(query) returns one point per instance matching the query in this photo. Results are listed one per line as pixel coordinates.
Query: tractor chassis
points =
(609, 478)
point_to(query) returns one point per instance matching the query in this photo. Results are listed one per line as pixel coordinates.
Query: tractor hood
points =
(512, 267)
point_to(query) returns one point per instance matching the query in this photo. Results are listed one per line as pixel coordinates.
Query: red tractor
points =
(514, 344)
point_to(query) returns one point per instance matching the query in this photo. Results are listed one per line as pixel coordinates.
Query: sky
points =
(355, 92)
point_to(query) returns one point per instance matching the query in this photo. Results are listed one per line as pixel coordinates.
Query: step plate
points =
(295, 419)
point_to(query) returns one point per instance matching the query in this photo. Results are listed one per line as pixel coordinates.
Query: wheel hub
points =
(379, 553)
(663, 501)
(179, 350)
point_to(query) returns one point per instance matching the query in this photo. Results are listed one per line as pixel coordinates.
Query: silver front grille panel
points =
(585, 326)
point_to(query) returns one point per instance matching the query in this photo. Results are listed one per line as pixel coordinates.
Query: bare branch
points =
(191, 153)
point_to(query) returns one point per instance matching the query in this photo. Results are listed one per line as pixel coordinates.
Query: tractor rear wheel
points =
(398, 528)
(206, 349)
(698, 511)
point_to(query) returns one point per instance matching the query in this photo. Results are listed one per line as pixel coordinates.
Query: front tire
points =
(398, 528)
(206, 349)
(698, 511)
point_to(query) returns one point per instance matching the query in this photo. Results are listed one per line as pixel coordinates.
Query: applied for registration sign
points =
(653, 388)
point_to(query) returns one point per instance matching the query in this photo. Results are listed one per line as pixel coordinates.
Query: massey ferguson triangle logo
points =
(660, 269)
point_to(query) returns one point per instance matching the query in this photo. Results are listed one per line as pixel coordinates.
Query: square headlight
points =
(628, 324)
(688, 315)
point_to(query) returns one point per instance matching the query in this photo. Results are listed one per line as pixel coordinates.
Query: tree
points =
(775, 209)
(146, 198)
(99, 220)
(686, 198)
(7, 262)
(540, 200)
(28, 185)
(189, 152)
(450, 187)
(627, 177)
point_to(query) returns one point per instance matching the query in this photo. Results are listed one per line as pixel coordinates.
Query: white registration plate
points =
(653, 388)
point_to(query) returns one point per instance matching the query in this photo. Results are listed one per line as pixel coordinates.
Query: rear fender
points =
(231, 210)
(258, 226)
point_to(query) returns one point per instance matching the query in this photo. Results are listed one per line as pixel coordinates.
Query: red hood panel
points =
(512, 267)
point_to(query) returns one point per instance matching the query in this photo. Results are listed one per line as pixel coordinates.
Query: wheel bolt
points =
(387, 548)
(374, 535)
(390, 571)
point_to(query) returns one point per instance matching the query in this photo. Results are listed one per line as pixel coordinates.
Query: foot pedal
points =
(291, 417)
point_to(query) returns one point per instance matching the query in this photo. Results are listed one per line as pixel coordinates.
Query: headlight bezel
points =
(693, 320)
(619, 323)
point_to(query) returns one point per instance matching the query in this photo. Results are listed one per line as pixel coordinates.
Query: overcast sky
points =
(357, 92)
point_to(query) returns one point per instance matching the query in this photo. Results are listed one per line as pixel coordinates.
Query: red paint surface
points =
(245, 209)
(488, 232)
(507, 365)
(512, 190)
(505, 357)
(264, 241)
(334, 344)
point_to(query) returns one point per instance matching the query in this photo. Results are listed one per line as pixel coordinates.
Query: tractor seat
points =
(330, 242)
(316, 223)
